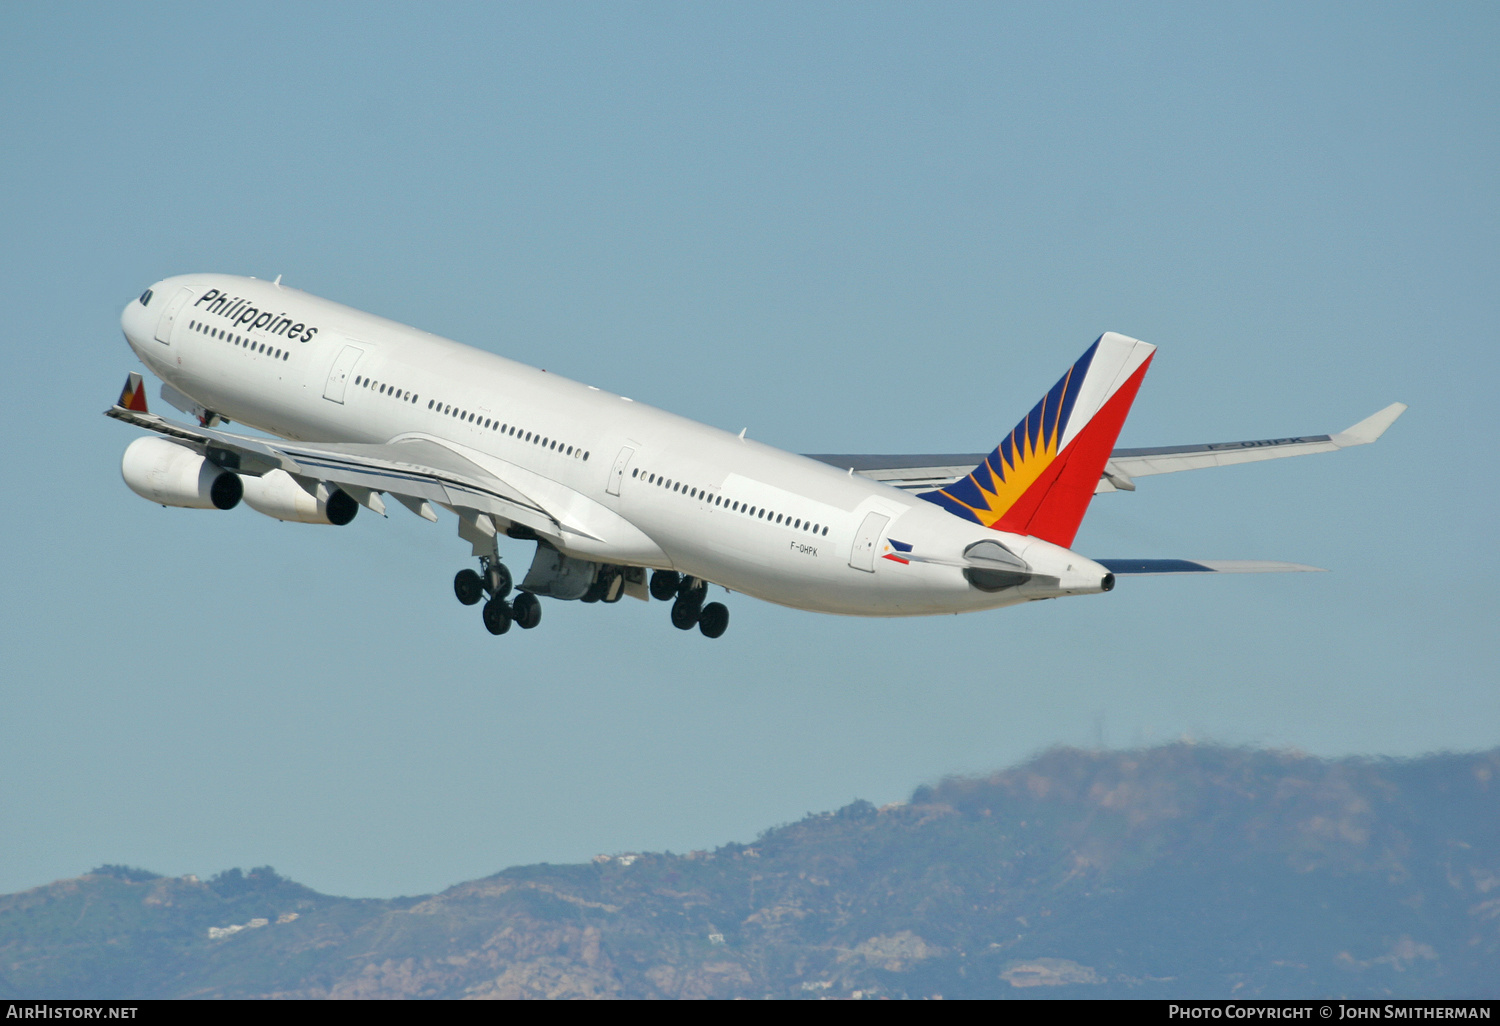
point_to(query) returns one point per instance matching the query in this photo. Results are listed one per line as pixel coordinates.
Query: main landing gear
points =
(688, 609)
(494, 580)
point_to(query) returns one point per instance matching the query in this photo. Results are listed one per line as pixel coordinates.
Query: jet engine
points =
(175, 475)
(278, 494)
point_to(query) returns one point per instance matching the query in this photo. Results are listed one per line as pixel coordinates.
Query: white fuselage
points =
(691, 498)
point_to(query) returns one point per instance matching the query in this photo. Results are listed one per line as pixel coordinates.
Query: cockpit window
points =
(146, 298)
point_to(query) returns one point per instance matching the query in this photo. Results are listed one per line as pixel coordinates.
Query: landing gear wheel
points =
(526, 611)
(684, 615)
(497, 580)
(496, 616)
(468, 587)
(664, 584)
(599, 590)
(614, 588)
(714, 620)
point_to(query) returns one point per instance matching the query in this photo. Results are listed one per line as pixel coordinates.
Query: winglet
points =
(133, 395)
(1369, 429)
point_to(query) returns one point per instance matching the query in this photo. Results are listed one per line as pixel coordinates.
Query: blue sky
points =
(845, 227)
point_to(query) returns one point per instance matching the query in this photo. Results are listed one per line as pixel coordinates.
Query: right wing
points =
(924, 472)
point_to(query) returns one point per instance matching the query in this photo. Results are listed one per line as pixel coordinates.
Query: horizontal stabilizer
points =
(1202, 566)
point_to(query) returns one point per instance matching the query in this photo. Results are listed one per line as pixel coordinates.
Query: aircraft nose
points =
(136, 319)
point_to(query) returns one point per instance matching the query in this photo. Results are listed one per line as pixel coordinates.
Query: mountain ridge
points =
(1183, 871)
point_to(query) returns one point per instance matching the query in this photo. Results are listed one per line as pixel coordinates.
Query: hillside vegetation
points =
(1187, 871)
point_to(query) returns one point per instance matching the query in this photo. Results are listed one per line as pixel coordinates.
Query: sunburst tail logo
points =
(1040, 478)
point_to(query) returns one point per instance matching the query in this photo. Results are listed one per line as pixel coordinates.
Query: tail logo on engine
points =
(133, 395)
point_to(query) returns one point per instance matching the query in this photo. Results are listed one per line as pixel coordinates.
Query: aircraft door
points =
(338, 377)
(617, 475)
(169, 316)
(862, 556)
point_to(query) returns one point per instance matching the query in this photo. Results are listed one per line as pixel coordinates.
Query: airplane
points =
(621, 498)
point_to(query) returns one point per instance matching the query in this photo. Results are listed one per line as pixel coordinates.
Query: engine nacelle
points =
(175, 475)
(280, 495)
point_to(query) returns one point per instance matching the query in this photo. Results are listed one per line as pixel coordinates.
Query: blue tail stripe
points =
(967, 492)
(956, 508)
(1034, 427)
(995, 467)
(1074, 379)
(1054, 403)
(1044, 425)
(1007, 453)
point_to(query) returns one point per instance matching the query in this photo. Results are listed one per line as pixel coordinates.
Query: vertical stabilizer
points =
(1041, 477)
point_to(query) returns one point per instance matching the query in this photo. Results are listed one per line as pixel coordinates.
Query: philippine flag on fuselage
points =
(895, 550)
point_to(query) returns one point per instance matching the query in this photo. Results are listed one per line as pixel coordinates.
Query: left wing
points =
(417, 471)
(928, 471)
